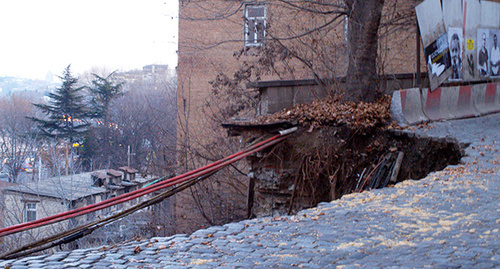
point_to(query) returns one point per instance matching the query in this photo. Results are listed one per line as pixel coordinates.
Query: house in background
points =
(35, 200)
(3, 185)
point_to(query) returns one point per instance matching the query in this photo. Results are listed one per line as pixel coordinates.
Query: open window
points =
(255, 25)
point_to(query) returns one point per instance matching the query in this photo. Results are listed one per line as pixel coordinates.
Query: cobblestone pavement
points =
(450, 219)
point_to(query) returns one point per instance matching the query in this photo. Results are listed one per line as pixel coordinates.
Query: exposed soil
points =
(341, 148)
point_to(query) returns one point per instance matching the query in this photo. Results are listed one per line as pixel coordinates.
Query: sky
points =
(42, 36)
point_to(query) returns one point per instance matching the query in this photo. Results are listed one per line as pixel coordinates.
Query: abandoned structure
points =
(35, 200)
(224, 39)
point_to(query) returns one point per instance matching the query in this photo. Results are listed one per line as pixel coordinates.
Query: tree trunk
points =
(364, 21)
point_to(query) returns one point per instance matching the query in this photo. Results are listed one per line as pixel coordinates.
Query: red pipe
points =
(140, 192)
(171, 183)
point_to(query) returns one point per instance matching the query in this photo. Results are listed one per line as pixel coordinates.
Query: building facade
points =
(224, 45)
(39, 199)
(248, 41)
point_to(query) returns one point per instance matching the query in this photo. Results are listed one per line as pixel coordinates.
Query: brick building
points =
(220, 43)
(212, 32)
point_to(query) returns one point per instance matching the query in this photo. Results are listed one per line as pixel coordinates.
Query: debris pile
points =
(334, 111)
(341, 147)
(385, 172)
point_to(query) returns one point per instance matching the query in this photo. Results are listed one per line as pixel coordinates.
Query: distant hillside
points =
(10, 85)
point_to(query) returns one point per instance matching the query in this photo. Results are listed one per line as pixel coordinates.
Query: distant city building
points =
(152, 73)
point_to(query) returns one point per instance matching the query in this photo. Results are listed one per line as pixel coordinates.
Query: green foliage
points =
(66, 116)
(103, 139)
(103, 92)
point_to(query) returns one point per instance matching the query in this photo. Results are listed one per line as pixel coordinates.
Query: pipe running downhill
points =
(149, 189)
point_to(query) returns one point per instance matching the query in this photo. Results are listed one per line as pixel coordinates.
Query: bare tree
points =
(323, 40)
(18, 136)
(140, 125)
(329, 38)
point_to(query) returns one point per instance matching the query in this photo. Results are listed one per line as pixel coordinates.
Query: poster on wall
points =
(472, 18)
(494, 56)
(483, 55)
(435, 41)
(455, 41)
(472, 30)
(437, 55)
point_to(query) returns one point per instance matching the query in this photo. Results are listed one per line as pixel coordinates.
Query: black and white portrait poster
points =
(483, 56)
(455, 43)
(494, 53)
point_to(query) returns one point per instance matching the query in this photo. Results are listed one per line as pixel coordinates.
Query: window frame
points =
(257, 40)
(30, 208)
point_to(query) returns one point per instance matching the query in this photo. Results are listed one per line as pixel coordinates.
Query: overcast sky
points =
(38, 36)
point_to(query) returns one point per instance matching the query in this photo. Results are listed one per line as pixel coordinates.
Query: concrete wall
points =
(279, 95)
(15, 214)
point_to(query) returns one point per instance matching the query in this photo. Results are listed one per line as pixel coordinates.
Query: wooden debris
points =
(395, 170)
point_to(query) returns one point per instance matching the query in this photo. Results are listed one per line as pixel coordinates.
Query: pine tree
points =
(66, 113)
(102, 142)
(103, 92)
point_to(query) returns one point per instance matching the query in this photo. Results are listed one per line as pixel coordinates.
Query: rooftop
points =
(447, 220)
(71, 187)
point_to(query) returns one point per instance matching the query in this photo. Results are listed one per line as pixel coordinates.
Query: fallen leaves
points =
(333, 111)
(460, 170)
(200, 261)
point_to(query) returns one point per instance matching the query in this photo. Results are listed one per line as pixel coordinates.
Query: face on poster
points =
(455, 42)
(483, 52)
(494, 53)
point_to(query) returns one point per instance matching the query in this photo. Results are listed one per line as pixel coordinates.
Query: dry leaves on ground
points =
(333, 111)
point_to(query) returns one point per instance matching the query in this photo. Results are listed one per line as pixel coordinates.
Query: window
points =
(255, 25)
(346, 28)
(30, 212)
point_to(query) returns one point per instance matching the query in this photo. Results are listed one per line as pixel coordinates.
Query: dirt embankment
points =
(341, 148)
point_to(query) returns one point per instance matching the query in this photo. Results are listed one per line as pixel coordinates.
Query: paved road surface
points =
(450, 219)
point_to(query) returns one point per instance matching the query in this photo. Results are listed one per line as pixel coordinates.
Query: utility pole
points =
(128, 155)
(67, 159)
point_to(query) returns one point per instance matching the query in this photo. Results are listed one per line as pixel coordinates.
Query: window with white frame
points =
(30, 212)
(255, 25)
